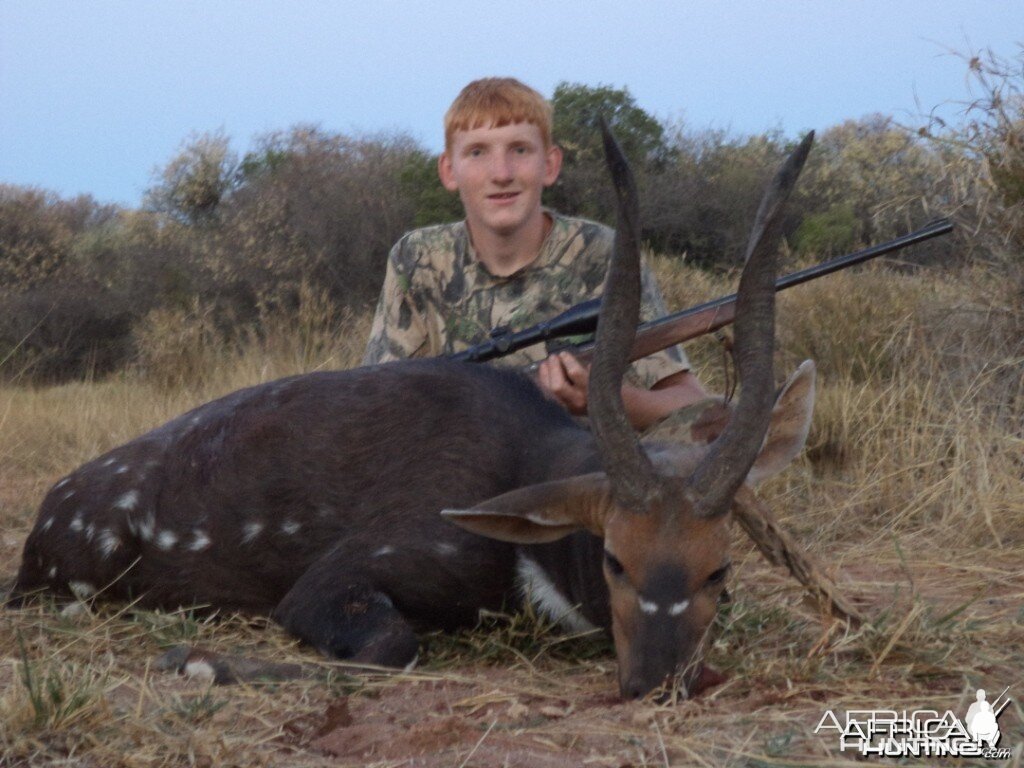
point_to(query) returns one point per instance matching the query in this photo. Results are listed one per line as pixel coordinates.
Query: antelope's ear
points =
(791, 421)
(540, 513)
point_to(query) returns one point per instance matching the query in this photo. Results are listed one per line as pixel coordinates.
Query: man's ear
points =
(444, 170)
(552, 165)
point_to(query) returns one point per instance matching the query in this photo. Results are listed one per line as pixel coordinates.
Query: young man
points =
(511, 262)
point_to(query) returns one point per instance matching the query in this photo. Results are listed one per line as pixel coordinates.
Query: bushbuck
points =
(360, 506)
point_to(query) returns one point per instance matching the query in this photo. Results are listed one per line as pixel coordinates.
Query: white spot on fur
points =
(67, 495)
(200, 542)
(647, 606)
(128, 501)
(200, 669)
(145, 526)
(62, 483)
(195, 420)
(385, 550)
(52, 573)
(109, 542)
(250, 531)
(83, 590)
(121, 470)
(46, 524)
(676, 608)
(536, 587)
(444, 548)
(109, 462)
(412, 664)
(90, 531)
(290, 527)
(166, 539)
(76, 523)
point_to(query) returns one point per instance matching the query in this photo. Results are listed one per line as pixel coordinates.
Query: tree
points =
(582, 188)
(982, 179)
(314, 207)
(195, 181)
(38, 230)
(872, 168)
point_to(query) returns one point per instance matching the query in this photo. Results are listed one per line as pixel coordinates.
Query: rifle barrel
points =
(582, 318)
(934, 229)
(720, 312)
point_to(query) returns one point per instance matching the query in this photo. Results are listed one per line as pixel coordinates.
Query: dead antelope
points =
(327, 499)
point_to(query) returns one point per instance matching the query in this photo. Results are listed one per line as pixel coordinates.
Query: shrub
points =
(59, 332)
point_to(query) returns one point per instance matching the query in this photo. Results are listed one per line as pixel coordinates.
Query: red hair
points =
(495, 102)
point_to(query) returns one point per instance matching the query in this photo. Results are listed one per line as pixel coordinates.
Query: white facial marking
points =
(83, 590)
(166, 539)
(121, 470)
(128, 501)
(647, 606)
(76, 523)
(290, 527)
(250, 531)
(536, 586)
(46, 524)
(52, 572)
(444, 548)
(676, 608)
(109, 542)
(200, 542)
(385, 550)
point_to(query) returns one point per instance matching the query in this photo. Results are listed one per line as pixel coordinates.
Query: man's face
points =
(499, 174)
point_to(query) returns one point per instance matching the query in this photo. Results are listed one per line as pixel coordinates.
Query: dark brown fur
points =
(359, 460)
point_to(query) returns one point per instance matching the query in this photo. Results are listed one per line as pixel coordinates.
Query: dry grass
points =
(911, 493)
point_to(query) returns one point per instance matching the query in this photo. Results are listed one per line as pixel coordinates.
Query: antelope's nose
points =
(638, 686)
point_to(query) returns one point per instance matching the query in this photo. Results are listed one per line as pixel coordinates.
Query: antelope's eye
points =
(614, 566)
(718, 577)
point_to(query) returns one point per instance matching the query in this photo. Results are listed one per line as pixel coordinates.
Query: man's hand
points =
(564, 378)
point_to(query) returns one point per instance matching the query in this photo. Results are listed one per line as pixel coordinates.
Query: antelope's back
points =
(229, 503)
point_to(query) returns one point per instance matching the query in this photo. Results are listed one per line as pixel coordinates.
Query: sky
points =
(96, 95)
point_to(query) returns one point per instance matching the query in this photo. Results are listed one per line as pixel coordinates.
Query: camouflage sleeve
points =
(398, 329)
(648, 371)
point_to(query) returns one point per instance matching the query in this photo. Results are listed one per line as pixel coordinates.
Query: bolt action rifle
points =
(653, 336)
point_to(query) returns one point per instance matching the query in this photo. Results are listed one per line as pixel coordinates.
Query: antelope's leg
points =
(346, 617)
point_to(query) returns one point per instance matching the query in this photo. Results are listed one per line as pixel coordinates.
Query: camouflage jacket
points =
(438, 298)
